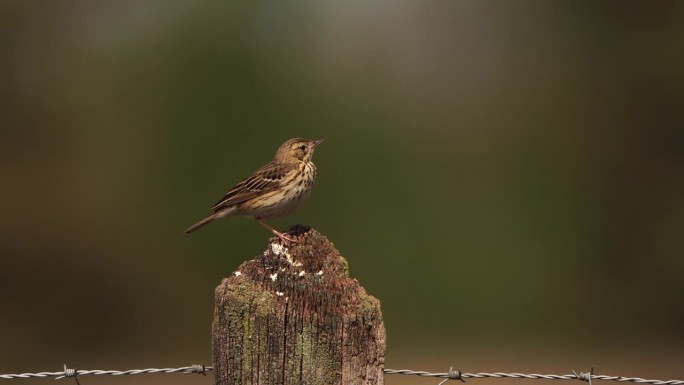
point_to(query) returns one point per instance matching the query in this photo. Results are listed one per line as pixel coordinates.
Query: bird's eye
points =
(302, 147)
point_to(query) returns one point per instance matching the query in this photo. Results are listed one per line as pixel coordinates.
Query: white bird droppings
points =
(273, 276)
(279, 249)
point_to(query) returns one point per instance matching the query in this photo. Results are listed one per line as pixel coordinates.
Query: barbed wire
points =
(198, 369)
(450, 375)
(586, 377)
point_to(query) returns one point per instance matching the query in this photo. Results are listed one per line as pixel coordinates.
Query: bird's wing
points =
(263, 180)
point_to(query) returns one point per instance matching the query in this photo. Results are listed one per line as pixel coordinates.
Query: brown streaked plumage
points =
(274, 190)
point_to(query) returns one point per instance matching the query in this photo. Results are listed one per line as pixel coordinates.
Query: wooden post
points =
(293, 316)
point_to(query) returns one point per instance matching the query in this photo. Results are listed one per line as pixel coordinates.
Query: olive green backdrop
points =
(506, 177)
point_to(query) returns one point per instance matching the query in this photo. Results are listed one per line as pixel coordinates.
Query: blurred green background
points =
(506, 177)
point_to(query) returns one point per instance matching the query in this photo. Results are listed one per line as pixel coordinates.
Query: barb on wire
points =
(586, 377)
(69, 373)
(198, 369)
(451, 375)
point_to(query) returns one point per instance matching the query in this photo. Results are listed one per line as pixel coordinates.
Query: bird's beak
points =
(317, 142)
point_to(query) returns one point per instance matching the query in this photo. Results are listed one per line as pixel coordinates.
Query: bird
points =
(274, 190)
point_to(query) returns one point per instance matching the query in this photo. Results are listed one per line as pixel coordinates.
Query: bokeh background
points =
(506, 177)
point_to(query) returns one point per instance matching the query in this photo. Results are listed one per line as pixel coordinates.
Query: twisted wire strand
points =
(199, 369)
(535, 376)
(451, 375)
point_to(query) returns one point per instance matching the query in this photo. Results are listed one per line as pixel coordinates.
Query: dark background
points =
(506, 177)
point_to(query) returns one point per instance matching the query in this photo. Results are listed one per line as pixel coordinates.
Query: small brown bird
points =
(273, 191)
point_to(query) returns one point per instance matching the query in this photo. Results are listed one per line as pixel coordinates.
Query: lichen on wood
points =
(294, 316)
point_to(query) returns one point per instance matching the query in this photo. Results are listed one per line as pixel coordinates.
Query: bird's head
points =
(297, 150)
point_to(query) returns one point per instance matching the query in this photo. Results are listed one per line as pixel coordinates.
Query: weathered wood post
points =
(293, 316)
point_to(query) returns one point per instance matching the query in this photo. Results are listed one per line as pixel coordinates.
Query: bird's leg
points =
(276, 232)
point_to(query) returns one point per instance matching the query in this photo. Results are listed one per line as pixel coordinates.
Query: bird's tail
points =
(201, 223)
(217, 215)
